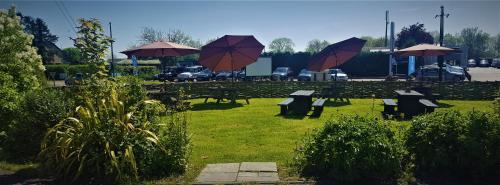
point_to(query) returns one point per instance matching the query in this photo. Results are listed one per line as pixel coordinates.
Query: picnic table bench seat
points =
(318, 106)
(427, 106)
(389, 107)
(244, 97)
(284, 105)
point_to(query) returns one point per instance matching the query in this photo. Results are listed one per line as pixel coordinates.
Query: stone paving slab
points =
(222, 167)
(258, 167)
(217, 177)
(258, 177)
(230, 173)
(219, 173)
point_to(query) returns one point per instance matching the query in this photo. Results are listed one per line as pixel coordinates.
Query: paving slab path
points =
(234, 173)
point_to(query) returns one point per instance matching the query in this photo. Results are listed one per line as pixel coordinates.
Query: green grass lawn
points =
(223, 133)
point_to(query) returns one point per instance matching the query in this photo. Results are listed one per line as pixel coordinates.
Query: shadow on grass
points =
(337, 103)
(215, 106)
(444, 105)
(291, 115)
(29, 175)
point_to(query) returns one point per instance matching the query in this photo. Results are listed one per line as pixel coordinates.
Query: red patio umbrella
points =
(425, 50)
(230, 52)
(336, 54)
(160, 49)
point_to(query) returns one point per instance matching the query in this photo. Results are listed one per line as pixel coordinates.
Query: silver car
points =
(188, 74)
(338, 75)
(431, 73)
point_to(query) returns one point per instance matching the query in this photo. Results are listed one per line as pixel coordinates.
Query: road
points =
(484, 73)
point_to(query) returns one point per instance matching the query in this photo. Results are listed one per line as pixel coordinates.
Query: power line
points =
(65, 17)
(67, 13)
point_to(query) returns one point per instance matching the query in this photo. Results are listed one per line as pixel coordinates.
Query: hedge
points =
(363, 65)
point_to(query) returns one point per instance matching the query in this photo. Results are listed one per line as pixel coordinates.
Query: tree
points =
(316, 45)
(93, 44)
(42, 36)
(150, 35)
(281, 45)
(372, 42)
(72, 55)
(413, 35)
(497, 45)
(21, 68)
(476, 41)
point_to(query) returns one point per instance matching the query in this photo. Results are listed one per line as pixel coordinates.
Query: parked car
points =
(169, 74)
(340, 75)
(304, 75)
(281, 73)
(189, 72)
(224, 75)
(495, 63)
(484, 63)
(241, 74)
(471, 63)
(204, 75)
(431, 73)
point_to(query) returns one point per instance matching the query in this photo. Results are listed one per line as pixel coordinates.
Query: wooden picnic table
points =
(408, 102)
(302, 101)
(221, 93)
(335, 91)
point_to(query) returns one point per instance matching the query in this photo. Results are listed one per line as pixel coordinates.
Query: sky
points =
(300, 21)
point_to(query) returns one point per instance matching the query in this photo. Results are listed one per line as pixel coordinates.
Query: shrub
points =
(41, 110)
(58, 69)
(107, 142)
(130, 90)
(21, 68)
(351, 150)
(451, 144)
(84, 69)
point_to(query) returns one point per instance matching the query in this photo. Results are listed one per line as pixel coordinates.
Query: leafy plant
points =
(41, 110)
(460, 146)
(351, 150)
(92, 44)
(21, 69)
(98, 142)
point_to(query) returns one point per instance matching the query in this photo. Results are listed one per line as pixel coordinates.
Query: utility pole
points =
(386, 24)
(441, 38)
(112, 64)
(391, 49)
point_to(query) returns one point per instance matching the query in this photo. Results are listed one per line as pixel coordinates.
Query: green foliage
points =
(281, 45)
(43, 40)
(413, 35)
(41, 110)
(86, 70)
(93, 44)
(21, 68)
(476, 40)
(129, 70)
(463, 146)
(72, 56)
(130, 90)
(316, 45)
(351, 150)
(150, 35)
(496, 45)
(99, 142)
(372, 42)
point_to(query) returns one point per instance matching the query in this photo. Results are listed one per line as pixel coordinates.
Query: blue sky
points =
(299, 20)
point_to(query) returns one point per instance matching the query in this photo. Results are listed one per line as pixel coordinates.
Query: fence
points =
(353, 89)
